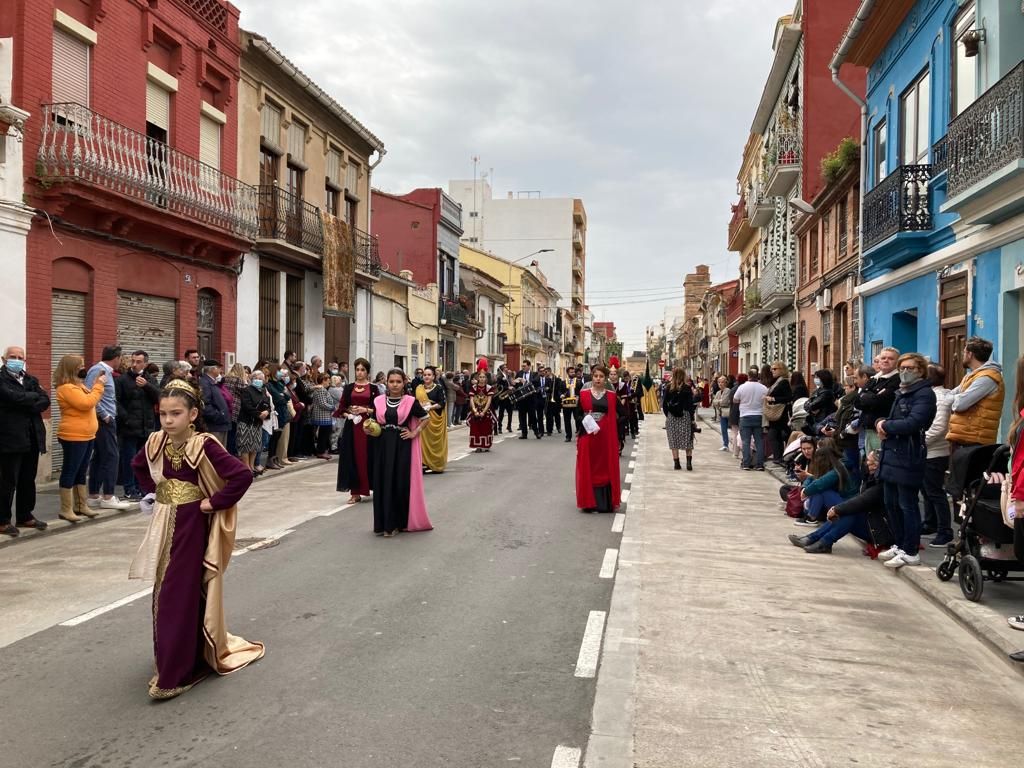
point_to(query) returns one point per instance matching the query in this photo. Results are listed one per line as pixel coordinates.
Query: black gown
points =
(390, 465)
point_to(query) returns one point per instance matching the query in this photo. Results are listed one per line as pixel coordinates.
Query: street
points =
(453, 647)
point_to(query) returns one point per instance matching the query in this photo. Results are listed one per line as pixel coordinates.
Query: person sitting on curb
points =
(797, 469)
(829, 482)
(850, 516)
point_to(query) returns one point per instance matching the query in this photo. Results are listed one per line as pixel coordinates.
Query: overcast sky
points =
(641, 109)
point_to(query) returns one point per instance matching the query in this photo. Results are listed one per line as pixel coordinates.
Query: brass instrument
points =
(570, 402)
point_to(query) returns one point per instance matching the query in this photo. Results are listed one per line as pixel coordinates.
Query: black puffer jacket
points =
(135, 414)
(876, 399)
(21, 409)
(678, 401)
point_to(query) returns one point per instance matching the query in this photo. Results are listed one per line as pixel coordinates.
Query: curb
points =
(59, 526)
(981, 622)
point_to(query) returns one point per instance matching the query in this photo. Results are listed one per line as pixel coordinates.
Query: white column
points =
(247, 311)
(315, 334)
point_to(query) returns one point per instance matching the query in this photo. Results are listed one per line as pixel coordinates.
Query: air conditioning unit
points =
(823, 301)
(229, 360)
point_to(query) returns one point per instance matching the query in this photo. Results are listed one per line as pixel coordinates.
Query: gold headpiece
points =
(182, 385)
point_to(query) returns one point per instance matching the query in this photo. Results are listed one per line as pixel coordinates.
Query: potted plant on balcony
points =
(835, 164)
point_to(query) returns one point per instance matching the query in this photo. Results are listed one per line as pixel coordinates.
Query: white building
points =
(552, 231)
(15, 217)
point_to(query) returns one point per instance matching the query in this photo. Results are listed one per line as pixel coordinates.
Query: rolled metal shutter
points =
(67, 324)
(70, 69)
(209, 141)
(158, 106)
(147, 323)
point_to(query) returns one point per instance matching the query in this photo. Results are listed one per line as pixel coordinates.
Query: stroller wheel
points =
(972, 582)
(946, 570)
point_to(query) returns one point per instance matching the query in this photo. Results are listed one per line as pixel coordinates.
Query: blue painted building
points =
(943, 190)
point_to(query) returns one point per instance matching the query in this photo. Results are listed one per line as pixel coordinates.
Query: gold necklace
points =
(175, 455)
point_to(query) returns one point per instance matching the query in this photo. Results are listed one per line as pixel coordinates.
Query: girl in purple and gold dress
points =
(193, 486)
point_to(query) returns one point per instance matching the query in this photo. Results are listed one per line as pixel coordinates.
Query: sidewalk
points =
(727, 646)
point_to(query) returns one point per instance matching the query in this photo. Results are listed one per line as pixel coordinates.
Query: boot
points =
(81, 502)
(67, 506)
(676, 464)
(689, 463)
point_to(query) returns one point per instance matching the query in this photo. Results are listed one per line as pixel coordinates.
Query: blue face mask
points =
(15, 366)
(817, 382)
(258, 383)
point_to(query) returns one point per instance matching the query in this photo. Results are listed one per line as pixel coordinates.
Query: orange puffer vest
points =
(979, 424)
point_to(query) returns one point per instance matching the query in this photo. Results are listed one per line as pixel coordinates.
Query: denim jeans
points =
(129, 447)
(76, 461)
(105, 458)
(751, 429)
(936, 503)
(819, 504)
(904, 516)
(723, 424)
(833, 531)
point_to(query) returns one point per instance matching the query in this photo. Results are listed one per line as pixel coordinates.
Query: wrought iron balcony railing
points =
(79, 145)
(367, 251)
(284, 216)
(988, 135)
(940, 156)
(899, 203)
(451, 312)
(533, 337)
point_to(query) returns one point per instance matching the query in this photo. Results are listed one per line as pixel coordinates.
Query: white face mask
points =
(909, 377)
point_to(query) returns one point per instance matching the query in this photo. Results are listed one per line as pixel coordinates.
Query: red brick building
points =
(130, 160)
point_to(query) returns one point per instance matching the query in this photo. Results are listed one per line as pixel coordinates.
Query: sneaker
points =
(928, 531)
(806, 521)
(724, 448)
(903, 559)
(114, 503)
(941, 540)
(93, 502)
(889, 553)
(1017, 622)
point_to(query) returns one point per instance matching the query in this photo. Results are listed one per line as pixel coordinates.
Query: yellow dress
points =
(650, 401)
(434, 438)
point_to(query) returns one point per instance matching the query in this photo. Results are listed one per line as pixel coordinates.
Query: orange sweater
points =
(78, 422)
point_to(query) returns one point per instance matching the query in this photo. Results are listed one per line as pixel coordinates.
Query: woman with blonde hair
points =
(679, 406)
(431, 396)
(76, 433)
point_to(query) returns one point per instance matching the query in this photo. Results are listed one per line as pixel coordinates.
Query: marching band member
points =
(435, 435)
(597, 461)
(621, 391)
(502, 398)
(526, 404)
(568, 398)
(549, 416)
(481, 417)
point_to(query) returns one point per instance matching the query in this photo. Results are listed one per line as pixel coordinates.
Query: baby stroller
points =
(984, 551)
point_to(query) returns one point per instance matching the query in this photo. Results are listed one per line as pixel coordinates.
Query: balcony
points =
(782, 164)
(81, 146)
(739, 226)
(367, 253)
(778, 284)
(753, 311)
(760, 209)
(898, 204)
(451, 313)
(286, 218)
(985, 148)
(533, 338)
(577, 240)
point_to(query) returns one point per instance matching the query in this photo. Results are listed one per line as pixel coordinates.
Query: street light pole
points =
(509, 287)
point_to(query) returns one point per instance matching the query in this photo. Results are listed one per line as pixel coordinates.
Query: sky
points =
(640, 109)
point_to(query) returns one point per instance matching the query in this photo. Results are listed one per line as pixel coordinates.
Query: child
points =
(797, 471)
(193, 485)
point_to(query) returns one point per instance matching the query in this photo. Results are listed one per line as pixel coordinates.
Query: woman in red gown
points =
(481, 417)
(355, 405)
(597, 453)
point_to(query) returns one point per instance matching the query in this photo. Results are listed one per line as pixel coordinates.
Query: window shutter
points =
(70, 69)
(334, 166)
(297, 140)
(209, 141)
(158, 106)
(270, 123)
(352, 178)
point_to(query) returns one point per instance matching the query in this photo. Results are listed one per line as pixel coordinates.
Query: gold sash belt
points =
(178, 492)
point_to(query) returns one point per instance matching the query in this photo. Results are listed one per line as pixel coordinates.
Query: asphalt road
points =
(455, 647)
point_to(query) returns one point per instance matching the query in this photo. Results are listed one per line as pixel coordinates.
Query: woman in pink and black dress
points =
(356, 404)
(481, 417)
(396, 473)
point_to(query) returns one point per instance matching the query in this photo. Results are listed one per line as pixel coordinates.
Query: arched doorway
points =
(206, 323)
(813, 363)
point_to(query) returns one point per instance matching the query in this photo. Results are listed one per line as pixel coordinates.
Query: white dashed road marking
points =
(608, 564)
(618, 522)
(566, 757)
(624, 495)
(628, 480)
(106, 608)
(590, 648)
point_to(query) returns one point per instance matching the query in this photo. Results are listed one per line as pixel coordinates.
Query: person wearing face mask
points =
(22, 439)
(216, 413)
(254, 409)
(277, 449)
(901, 465)
(821, 404)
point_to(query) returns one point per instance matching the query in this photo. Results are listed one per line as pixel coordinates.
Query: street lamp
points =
(508, 286)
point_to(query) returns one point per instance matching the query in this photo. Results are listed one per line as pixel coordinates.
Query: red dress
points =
(481, 418)
(597, 455)
(353, 471)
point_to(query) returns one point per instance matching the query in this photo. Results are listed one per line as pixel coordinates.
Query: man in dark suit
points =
(527, 406)
(502, 404)
(552, 404)
(215, 408)
(22, 439)
(570, 388)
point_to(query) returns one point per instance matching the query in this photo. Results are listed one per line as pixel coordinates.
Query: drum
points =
(523, 393)
(570, 402)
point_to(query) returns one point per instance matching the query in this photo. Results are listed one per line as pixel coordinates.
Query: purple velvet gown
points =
(178, 602)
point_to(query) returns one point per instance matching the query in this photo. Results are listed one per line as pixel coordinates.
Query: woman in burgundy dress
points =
(356, 404)
(597, 452)
(193, 486)
(481, 417)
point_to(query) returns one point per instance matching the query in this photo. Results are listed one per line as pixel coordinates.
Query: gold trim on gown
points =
(434, 437)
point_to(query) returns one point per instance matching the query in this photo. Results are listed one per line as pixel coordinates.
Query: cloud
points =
(641, 110)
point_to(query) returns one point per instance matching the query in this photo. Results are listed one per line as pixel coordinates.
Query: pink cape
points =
(418, 519)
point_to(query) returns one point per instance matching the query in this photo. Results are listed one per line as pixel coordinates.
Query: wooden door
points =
(953, 339)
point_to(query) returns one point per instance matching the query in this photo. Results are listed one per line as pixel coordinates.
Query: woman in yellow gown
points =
(434, 438)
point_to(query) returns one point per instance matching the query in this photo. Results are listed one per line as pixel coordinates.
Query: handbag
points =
(794, 504)
(773, 411)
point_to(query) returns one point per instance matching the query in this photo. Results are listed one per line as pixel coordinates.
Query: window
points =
(296, 181)
(268, 168)
(209, 141)
(876, 349)
(270, 123)
(914, 118)
(70, 69)
(297, 141)
(352, 178)
(879, 149)
(294, 314)
(333, 182)
(269, 314)
(841, 225)
(158, 109)
(813, 254)
(331, 201)
(473, 214)
(964, 80)
(350, 212)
